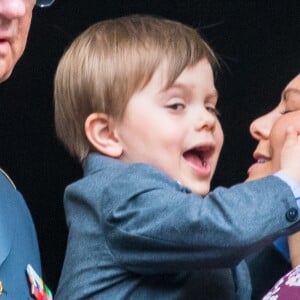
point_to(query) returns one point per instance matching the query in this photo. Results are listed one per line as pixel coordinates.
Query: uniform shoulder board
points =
(8, 178)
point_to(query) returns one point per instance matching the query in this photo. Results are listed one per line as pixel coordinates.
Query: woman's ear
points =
(99, 131)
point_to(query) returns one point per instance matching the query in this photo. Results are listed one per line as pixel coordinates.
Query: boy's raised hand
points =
(290, 154)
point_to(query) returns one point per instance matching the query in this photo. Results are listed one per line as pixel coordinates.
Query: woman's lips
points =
(258, 164)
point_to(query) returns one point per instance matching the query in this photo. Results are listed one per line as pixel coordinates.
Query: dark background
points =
(258, 42)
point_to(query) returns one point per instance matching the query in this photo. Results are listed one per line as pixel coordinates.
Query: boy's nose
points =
(205, 119)
(11, 9)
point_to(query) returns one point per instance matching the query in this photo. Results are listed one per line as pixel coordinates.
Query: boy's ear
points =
(99, 131)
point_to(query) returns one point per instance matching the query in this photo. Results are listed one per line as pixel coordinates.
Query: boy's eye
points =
(213, 110)
(176, 106)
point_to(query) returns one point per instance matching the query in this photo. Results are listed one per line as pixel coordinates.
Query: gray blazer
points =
(18, 243)
(135, 233)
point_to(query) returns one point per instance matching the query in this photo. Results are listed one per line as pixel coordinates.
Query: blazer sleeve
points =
(153, 224)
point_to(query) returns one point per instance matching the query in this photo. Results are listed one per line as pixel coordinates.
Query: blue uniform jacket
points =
(135, 233)
(18, 243)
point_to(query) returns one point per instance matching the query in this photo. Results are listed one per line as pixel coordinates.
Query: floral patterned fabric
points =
(287, 287)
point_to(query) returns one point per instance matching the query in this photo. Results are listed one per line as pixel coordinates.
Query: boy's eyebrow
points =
(213, 94)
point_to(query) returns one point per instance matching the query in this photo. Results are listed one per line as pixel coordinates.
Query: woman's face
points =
(270, 130)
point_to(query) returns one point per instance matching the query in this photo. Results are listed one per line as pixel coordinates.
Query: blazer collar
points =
(95, 162)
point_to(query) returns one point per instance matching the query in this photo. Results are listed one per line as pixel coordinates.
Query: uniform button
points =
(292, 214)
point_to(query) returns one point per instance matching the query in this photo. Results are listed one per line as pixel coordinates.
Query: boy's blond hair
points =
(112, 60)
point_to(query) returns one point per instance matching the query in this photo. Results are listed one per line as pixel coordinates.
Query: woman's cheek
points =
(278, 135)
(277, 139)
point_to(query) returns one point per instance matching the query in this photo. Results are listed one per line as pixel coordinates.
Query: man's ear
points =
(99, 131)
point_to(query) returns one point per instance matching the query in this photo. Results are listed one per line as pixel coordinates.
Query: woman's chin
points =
(259, 170)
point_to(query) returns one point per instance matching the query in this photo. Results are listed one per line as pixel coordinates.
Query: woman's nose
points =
(261, 127)
(11, 9)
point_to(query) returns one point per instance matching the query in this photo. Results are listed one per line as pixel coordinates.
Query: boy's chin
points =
(201, 190)
(199, 187)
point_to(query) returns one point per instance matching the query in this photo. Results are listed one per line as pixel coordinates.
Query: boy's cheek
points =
(219, 136)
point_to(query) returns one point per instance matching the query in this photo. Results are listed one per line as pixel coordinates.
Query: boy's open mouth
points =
(199, 156)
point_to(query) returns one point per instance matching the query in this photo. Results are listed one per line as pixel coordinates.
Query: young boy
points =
(135, 102)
